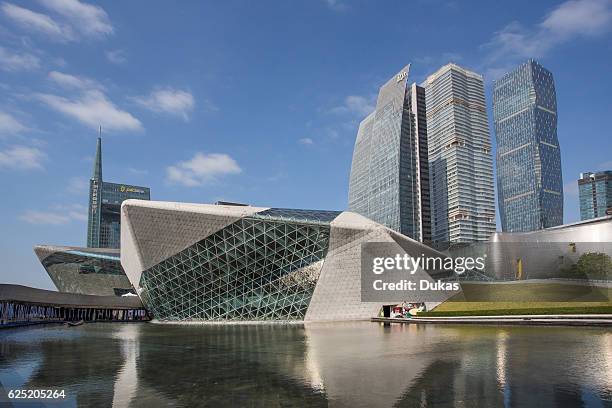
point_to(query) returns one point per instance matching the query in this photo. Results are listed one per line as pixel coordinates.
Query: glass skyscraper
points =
(529, 180)
(389, 180)
(103, 226)
(460, 161)
(595, 190)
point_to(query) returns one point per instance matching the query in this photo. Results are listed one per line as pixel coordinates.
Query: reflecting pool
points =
(338, 365)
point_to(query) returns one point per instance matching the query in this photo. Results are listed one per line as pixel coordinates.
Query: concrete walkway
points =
(528, 320)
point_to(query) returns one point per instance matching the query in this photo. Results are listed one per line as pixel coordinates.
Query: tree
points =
(595, 265)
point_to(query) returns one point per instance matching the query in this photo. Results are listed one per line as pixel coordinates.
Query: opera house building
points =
(85, 271)
(232, 262)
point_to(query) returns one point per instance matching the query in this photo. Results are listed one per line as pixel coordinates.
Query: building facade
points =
(103, 225)
(595, 191)
(389, 180)
(529, 179)
(551, 252)
(460, 160)
(224, 262)
(86, 271)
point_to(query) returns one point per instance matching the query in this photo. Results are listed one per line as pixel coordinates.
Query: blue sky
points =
(250, 101)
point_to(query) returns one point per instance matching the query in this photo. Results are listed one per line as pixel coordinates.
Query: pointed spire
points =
(97, 170)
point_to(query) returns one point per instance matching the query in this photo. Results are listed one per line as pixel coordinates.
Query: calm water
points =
(339, 365)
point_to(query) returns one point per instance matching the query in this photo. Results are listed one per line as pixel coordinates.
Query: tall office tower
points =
(460, 161)
(529, 181)
(595, 190)
(389, 180)
(103, 225)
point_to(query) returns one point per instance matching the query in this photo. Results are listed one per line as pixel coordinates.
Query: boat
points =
(77, 323)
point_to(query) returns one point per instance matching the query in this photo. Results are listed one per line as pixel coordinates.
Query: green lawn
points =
(525, 298)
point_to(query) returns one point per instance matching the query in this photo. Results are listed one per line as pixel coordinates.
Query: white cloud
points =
(337, 5)
(89, 105)
(73, 82)
(14, 62)
(571, 19)
(168, 100)
(77, 212)
(44, 218)
(306, 141)
(116, 56)
(357, 105)
(9, 125)
(494, 73)
(76, 19)
(579, 17)
(37, 22)
(88, 19)
(58, 215)
(138, 172)
(22, 158)
(94, 109)
(201, 169)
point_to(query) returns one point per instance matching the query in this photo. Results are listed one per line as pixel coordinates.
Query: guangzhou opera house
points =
(85, 271)
(230, 262)
(236, 262)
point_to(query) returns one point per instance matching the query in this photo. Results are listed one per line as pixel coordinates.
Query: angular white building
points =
(224, 262)
(85, 271)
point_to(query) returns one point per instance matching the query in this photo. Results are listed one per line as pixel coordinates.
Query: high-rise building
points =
(529, 181)
(460, 161)
(389, 180)
(595, 190)
(103, 226)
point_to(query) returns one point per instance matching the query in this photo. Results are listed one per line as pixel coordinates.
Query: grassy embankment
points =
(519, 297)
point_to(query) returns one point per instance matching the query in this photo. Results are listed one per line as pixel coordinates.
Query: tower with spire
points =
(103, 221)
(97, 170)
(95, 202)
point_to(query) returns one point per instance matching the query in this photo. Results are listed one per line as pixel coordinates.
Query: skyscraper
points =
(529, 181)
(460, 162)
(595, 190)
(389, 180)
(103, 225)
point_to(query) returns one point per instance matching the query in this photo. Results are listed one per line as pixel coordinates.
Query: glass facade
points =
(389, 180)
(529, 179)
(85, 271)
(87, 262)
(103, 227)
(595, 191)
(460, 160)
(261, 267)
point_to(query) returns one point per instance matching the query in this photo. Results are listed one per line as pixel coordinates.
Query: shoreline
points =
(603, 320)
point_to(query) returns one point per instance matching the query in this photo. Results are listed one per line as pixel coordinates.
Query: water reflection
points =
(338, 365)
(126, 383)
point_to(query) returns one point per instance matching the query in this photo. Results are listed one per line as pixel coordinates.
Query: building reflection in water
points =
(365, 364)
(502, 356)
(336, 364)
(126, 383)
